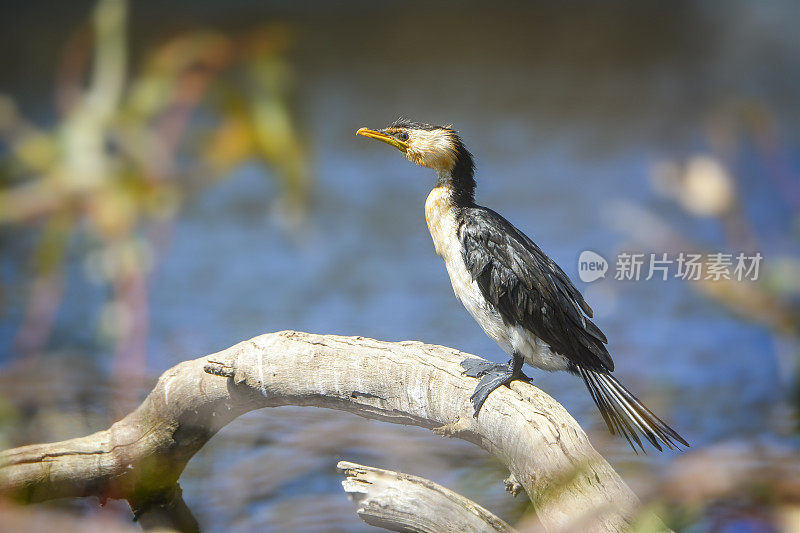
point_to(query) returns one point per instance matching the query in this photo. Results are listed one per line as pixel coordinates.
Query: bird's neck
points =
(458, 177)
(460, 183)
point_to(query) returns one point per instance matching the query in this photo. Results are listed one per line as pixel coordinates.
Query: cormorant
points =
(519, 296)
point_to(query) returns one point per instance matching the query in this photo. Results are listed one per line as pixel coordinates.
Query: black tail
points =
(625, 414)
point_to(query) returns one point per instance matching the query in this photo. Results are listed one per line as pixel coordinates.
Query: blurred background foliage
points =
(177, 177)
(120, 158)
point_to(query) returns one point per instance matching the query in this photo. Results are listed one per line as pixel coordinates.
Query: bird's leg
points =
(492, 376)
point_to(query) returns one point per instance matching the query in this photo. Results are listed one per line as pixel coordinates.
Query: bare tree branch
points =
(401, 502)
(168, 514)
(141, 457)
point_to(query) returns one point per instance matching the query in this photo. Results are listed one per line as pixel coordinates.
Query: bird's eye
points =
(403, 136)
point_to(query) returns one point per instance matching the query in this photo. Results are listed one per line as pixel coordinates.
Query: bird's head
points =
(436, 147)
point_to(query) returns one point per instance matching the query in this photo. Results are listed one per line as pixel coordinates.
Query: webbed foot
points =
(476, 368)
(492, 376)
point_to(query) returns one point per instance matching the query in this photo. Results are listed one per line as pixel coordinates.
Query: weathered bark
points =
(400, 502)
(141, 457)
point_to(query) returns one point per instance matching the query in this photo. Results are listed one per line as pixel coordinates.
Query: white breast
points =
(440, 215)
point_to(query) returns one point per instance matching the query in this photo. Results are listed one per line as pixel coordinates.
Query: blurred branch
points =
(400, 502)
(767, 301)
(168, 514)
(141, 457)
(102, 185)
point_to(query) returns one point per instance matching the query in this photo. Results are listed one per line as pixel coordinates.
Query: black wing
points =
(529, 289)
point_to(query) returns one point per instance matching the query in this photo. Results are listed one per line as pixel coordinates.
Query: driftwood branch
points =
(168, 513)
(401, 502)
(141, 457)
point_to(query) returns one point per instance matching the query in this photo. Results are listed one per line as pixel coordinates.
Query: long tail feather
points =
(624, 414)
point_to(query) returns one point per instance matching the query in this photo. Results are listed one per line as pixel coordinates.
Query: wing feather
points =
(529, 289)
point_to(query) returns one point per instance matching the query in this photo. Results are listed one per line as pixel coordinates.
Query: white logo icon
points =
(591, 266)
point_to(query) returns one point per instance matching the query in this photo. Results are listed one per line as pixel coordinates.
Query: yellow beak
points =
(388, 139)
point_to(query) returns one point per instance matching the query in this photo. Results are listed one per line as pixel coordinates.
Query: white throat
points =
(432, 149)
(441, 219)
